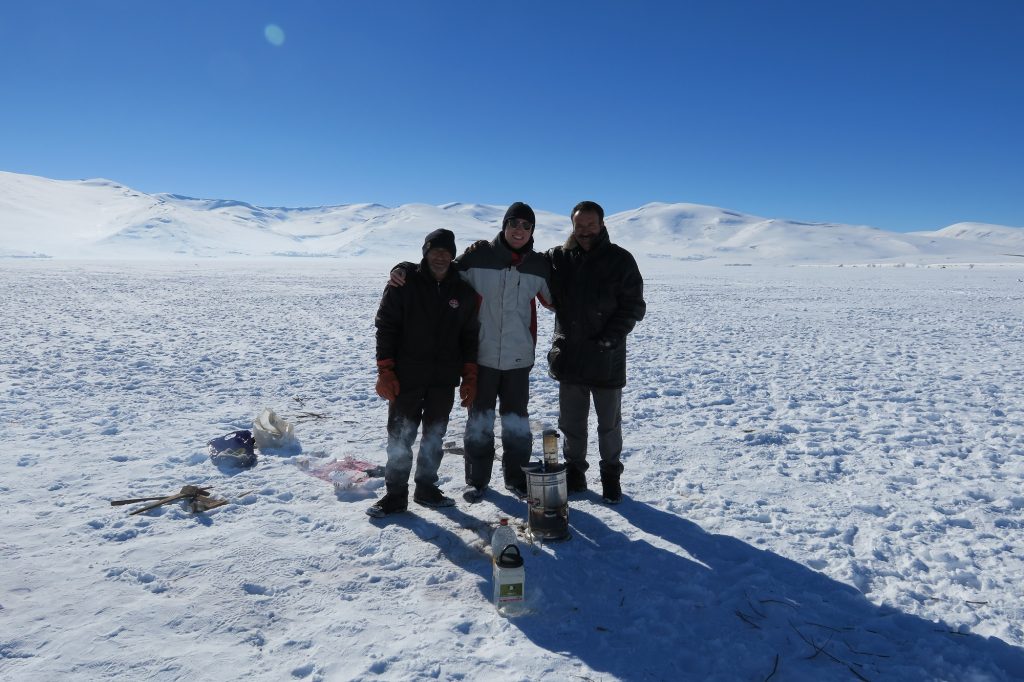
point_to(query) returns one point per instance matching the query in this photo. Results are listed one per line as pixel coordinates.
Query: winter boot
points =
(575, 480)
(517, 489)
(611, 492)
(474, 494)
(431, 496)
(392, 503)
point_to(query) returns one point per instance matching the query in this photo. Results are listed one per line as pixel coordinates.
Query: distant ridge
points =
(100, 218)
(982, 232)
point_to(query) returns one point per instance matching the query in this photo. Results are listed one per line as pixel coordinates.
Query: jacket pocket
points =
(597, 364)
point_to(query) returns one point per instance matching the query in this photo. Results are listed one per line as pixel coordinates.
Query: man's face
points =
(438, 260)
(517, 232)
(586, 225)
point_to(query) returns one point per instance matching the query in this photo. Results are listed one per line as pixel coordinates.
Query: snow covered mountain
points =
(1008, 237)
(40, 217)
(695, 232)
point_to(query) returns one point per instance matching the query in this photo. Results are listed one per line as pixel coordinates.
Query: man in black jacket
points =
(598, 297)
(426, 339)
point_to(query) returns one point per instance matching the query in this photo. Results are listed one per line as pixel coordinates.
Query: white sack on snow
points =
(273, 433)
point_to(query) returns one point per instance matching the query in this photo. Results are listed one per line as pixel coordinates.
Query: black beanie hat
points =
(522, 211)
(440, 239)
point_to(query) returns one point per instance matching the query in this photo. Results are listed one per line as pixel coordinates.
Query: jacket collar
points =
(602, 240)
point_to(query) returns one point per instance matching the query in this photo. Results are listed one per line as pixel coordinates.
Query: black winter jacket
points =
(598, 298)
(428, 328)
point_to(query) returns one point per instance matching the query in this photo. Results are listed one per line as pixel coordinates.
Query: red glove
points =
(387, 380)
(467, 391)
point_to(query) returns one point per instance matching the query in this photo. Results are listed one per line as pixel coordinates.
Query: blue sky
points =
(897, 114)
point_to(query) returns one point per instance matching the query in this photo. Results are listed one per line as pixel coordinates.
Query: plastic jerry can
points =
(509, 579)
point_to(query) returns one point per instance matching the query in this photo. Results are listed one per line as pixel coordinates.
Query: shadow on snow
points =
(692, 605)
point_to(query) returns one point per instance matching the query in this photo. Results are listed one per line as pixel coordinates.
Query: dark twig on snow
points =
(827, 627)
(309, 416)
(817, 649)
(863, 653)
(859, 676)
(775, 669)
(752, 607)
(822, 650)
(746, 619)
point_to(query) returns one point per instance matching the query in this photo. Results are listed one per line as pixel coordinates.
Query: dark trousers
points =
(573, 414)
(510, 389)
(431, 406)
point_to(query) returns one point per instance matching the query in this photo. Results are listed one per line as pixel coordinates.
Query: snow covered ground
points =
(824, 480)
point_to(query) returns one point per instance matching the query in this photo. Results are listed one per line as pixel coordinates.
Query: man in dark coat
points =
(426, 340)
(598, 297)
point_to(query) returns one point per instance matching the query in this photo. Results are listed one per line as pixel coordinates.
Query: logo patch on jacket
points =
(453, 303)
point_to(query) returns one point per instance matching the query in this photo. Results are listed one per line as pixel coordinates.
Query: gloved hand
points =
(480, 243)
(387, 380)
(467, 391)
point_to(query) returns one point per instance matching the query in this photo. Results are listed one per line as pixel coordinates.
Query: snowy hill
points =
(1008, 237)
(40, 217)
(695, 232)
(102, 219)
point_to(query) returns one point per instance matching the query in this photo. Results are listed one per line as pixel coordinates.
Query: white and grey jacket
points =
(508, 285)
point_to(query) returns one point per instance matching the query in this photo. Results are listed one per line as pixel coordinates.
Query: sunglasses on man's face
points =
(518, 224)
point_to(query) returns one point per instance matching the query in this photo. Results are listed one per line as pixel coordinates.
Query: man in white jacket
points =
(509, 277)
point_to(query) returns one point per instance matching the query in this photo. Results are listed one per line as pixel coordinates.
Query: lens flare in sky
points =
(274, 35)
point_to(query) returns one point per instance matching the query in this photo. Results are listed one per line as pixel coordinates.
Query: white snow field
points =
(824, 481)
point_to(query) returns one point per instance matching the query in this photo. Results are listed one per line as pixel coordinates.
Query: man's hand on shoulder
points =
(397, 278)
(480, 243)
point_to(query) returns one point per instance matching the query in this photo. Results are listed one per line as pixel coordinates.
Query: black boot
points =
(394, 502)
(611, 491)
(431, 496)
(575, 479)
